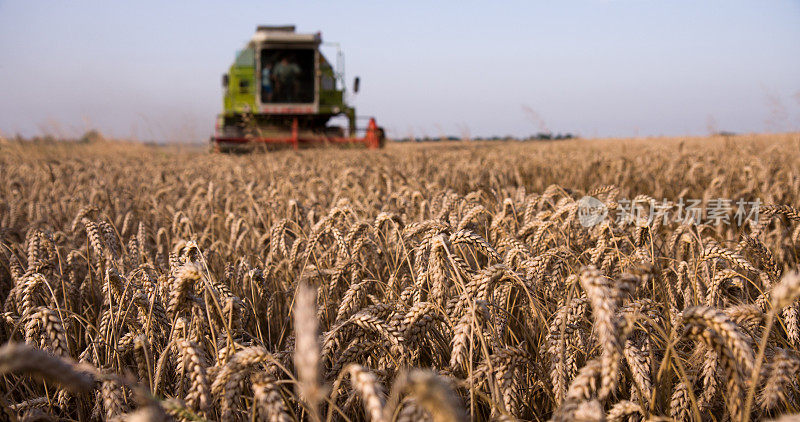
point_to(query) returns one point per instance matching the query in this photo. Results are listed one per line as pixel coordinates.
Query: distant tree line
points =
(91, 136)
(541, 136)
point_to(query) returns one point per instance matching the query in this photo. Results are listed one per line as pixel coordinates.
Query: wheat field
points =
(440, 282)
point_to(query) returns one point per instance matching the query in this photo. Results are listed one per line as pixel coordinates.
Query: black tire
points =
(335, 131)
(381, 137)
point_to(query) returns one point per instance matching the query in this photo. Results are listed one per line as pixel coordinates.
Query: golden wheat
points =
(412, 283)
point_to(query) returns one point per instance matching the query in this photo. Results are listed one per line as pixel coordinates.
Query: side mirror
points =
(225, 80)
(356, 83)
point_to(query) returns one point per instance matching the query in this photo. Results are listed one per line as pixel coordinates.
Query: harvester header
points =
(282, 91)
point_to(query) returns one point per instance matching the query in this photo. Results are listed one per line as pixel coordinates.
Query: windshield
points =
(287, 75)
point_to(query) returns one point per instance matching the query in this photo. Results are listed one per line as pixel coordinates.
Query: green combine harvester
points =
(281, 91)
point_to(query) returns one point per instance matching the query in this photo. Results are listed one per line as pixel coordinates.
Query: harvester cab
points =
(282, 91)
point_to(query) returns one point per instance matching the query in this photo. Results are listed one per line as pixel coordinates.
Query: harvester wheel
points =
(381, 137)
(336, 131)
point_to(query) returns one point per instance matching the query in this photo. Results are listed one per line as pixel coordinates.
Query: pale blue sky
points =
(151, 69)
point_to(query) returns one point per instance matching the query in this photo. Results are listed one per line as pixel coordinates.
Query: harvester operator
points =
(266, 82)
(286, 74)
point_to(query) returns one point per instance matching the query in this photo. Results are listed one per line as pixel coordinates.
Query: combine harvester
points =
(281, 92)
